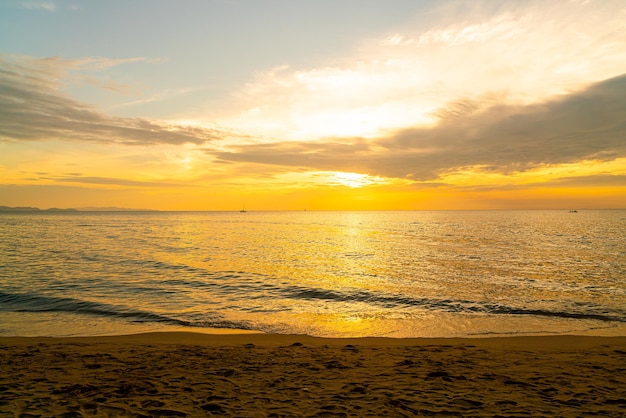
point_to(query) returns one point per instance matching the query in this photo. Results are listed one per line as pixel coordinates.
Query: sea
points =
(329, 274)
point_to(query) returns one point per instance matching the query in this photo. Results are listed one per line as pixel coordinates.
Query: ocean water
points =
(333, 274)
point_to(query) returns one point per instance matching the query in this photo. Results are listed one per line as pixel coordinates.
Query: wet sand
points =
(260, 375)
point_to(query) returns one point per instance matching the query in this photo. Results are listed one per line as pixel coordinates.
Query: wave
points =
(16, 302)
(456, 306)
(37, 303)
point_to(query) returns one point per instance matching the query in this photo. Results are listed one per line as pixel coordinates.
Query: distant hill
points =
(32, 209)
(113, 209)
(86, 209)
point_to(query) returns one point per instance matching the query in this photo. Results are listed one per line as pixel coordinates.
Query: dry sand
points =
(187, 374)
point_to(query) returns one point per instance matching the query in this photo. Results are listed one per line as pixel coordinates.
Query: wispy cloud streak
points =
(112, 181)
(32, 109)
(45, 5)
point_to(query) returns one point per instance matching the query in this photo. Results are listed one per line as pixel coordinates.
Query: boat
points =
(243, 209)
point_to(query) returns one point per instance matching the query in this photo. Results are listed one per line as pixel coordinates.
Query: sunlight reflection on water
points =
(401, 274)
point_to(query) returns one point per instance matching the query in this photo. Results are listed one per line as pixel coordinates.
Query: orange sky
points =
(283, 105)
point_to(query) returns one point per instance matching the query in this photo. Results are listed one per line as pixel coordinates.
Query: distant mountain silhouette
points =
(32, 209)
(86, 209)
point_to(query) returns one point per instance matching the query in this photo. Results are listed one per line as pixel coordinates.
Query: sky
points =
(316, 105)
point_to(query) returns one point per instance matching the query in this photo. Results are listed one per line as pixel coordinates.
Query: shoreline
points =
(255, 374)
(19, 324)
(229, 337)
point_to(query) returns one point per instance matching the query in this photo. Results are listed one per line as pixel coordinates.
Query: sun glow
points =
(427, 105)
(353, 180)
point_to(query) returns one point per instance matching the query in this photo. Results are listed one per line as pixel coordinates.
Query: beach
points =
(263, 375)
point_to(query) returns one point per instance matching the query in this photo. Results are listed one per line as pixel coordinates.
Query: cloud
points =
(102, 63)
(32, 109)
(45, 5)
(94, 180)
(598, 180)
(520, 52)
(110, 181)
(324, 155)
(584, 125)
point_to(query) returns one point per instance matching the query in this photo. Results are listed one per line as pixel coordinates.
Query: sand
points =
(187, 374)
